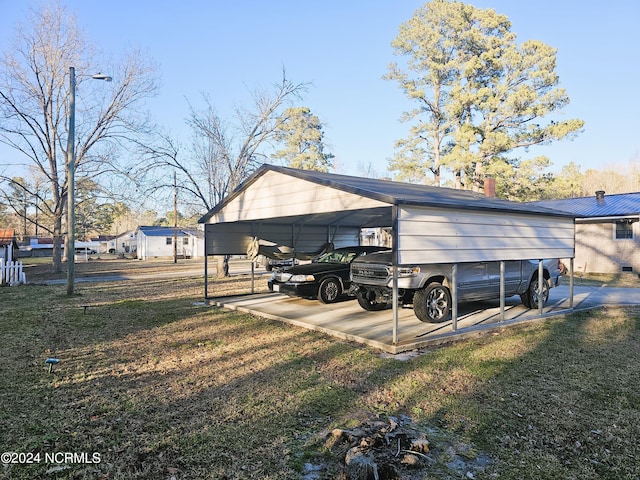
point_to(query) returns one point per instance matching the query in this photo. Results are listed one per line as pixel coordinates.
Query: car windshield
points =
(337, 256)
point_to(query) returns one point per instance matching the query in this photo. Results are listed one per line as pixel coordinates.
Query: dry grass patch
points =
(163, 387)
(622, 280)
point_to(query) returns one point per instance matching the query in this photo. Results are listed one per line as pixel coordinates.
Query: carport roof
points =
(393, 193)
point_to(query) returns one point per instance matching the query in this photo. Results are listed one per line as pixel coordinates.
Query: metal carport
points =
(304, 210)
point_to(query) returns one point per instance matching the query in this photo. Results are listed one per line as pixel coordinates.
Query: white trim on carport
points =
(283, 197)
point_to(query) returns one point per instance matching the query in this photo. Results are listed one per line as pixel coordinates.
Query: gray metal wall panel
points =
(234, 238)
(275, 195)
(428, 235)
(227, 238)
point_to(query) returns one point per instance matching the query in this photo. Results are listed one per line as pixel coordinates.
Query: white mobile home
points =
(124, 243)
(158, 242)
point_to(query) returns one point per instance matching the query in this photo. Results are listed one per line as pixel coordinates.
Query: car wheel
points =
(329, 291)
(432, 304)
(530, 297)
(369, 305)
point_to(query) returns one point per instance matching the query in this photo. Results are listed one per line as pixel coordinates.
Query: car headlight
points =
(408, 271)
(302, 278)
(281, 276)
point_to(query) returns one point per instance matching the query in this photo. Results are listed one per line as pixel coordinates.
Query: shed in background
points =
(8, 245)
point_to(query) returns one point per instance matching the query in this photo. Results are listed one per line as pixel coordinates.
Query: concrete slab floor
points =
(348, 321)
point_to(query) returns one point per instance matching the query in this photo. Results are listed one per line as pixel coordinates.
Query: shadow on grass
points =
(198, 399)
(160, 388)
(556, 400)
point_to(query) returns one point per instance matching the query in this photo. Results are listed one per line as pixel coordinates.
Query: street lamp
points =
(70, 248)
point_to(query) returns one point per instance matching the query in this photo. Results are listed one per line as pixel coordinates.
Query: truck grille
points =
(367, 273)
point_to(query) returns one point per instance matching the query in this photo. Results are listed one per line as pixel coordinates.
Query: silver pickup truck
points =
(428, 286)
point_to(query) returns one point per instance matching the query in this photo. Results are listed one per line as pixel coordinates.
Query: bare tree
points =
(228, 152)
(164, 156)
(223, 153)
(28, 199)
(34, 89)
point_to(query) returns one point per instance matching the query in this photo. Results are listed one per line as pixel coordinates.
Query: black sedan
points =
(326, 278)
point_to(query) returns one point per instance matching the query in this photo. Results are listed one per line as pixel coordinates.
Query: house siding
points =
(597, 249)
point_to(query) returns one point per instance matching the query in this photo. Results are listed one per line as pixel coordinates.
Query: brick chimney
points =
(489, 186)
(600, 196)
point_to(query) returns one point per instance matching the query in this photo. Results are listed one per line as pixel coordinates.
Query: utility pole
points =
(175, 219)
(69, 248)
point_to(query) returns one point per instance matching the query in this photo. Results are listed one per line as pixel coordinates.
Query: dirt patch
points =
(40, 270)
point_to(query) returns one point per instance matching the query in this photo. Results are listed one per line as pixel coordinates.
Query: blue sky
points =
(227, 49)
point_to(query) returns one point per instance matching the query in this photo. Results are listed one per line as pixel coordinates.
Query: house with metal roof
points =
(607, 232)
(158, 242)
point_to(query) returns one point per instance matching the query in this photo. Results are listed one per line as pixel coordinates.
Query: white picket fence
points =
(11, 273)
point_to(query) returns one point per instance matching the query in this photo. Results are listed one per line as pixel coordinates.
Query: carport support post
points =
(540, 280)
(454, 297)
(206, 274)
(571, 283)
(502, 290)
(394, 260)
(253, 264)
(395, 303)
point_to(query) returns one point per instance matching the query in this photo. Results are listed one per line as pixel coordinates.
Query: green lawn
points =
(160, 387)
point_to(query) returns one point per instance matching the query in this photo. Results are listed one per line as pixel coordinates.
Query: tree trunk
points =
(478, 181)
(56, 265)
(458, 179)
(223, 265)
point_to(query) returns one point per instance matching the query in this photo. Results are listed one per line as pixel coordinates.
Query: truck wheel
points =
(369, 305)
(530, 297)
(329, 290)
(432, 304)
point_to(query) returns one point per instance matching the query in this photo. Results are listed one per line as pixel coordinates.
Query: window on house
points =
(624, 230)
(169, 240)
(185, 241)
